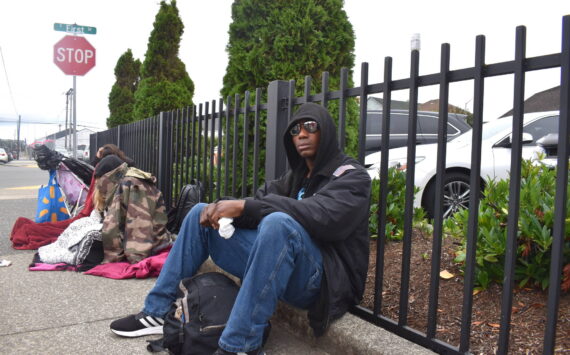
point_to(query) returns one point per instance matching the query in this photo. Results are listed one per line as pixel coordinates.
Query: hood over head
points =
(108, 182)
(108, 163)
(328, 145)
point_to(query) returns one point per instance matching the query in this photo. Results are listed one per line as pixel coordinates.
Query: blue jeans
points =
(276, 261)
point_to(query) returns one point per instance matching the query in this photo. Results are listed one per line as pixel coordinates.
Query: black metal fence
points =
(216, 143)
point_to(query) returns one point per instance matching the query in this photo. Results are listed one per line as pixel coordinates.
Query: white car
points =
(66, 153)
(3, 156)
(495, 159)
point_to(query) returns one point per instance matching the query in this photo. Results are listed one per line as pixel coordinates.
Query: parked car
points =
(3, 156)
(427, 125)
(495, 159)
(63, 151)
(83, 152)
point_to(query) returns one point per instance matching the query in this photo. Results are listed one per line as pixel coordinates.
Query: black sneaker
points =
(221, 351)
(137, 325)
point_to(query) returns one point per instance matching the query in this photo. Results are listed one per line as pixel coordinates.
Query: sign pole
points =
(74, 55)
(74, 118)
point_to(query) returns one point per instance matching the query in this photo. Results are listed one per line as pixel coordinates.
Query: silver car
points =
(3, 156)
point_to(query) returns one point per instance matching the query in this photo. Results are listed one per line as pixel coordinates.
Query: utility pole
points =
(19, 120)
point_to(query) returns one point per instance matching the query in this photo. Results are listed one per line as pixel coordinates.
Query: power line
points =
(8, 82)
(12, 120)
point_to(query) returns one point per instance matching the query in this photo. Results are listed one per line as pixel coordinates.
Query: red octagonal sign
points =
(74, 55)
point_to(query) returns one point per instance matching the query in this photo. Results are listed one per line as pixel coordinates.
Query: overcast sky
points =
(32, 86)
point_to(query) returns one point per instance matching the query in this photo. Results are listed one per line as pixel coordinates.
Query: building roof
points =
(547, 100)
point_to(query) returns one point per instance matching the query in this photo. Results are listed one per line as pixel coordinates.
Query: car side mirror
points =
(549, 143)
(527, 138)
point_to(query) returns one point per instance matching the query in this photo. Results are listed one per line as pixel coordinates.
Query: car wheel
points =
(456, 194)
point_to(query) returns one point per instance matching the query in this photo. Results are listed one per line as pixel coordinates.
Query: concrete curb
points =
(347, 335)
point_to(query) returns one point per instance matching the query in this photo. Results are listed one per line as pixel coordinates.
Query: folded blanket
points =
(73, 245)
(148, 267)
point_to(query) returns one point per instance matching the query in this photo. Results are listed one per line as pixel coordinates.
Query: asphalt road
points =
(19, 183)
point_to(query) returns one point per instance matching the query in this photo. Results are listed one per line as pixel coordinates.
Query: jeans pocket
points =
(314, 283)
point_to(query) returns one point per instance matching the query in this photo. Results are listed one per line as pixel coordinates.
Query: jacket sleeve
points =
(331, 214)
(252, 219)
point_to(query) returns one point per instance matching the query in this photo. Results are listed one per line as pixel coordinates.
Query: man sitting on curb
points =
(302, 239)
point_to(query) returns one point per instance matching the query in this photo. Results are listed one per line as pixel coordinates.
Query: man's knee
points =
(277, 225)
(196, 210)
(276, 219)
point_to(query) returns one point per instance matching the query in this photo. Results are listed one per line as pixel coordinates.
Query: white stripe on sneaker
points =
(152, 321)
(145, 323)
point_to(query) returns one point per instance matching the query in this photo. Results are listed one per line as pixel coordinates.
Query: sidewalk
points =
(69, 313)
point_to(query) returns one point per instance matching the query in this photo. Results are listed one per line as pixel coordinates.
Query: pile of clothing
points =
(122, 225)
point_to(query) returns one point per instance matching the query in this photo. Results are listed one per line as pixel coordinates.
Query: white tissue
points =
(226, 228)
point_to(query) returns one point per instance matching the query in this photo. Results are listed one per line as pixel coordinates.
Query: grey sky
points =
(382, 29)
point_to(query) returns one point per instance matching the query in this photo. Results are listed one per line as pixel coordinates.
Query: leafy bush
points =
(395, 203)
(536, 216)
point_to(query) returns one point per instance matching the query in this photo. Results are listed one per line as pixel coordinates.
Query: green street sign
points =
(75, 29)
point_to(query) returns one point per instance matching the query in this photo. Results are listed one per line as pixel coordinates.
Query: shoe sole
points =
(138, 333)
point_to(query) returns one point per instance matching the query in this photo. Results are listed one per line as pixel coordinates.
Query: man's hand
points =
(206, 213)
(214, 211)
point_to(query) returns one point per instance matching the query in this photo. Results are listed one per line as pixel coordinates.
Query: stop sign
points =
(74, 55)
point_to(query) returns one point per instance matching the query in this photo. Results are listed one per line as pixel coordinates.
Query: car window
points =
(374, 123)
(427, 124)
(430, 125)
(542, 127)
(451, 130)
(399, 123)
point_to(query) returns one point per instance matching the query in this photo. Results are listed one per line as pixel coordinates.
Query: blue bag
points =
(51, 202)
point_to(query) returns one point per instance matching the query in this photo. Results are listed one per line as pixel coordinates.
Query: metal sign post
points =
(74, 55)
(74, 149)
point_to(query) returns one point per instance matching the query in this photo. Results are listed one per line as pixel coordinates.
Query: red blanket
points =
(147, 267)
(27, 234)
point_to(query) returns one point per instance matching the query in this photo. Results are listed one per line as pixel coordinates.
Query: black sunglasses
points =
(310, 126)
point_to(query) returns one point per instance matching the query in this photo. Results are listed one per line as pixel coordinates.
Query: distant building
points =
(433, 106)
(375, 104)
(547, 100)
(57, 140)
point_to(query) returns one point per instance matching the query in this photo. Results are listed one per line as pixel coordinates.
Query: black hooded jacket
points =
(334, 211)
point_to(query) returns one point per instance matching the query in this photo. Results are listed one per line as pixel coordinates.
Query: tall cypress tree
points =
(122, 95)
(281, 40)
(165, 84)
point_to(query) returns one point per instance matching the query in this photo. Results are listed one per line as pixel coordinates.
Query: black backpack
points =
(196, 320)
(190, 195)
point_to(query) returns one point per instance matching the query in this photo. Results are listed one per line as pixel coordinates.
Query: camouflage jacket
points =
(134, 226)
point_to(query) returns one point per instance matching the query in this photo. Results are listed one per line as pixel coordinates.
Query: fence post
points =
(275, 157)
(162, 158)
(119, 136)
